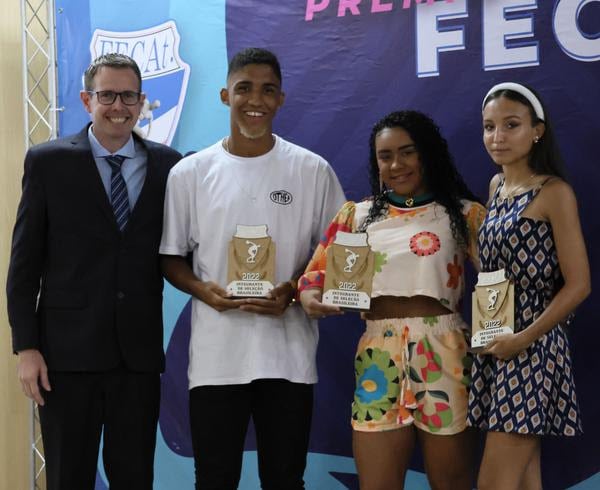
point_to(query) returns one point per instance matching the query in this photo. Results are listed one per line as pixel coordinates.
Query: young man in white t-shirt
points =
(252, 357)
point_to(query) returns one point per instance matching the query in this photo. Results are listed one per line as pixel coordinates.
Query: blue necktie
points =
(118, 191)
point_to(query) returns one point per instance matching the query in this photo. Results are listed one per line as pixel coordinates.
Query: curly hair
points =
(439, 171)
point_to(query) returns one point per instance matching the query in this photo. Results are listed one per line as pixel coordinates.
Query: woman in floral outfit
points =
(412, 366)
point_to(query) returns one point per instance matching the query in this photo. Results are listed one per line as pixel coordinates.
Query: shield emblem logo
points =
(491, 299)
(164, 74)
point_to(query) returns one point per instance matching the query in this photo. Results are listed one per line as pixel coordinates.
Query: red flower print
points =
(428, 362)
(441, 416)
(455, 270)
(424, 243)
(433, 409)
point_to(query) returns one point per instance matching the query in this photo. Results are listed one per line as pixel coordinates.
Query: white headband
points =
(520, 89)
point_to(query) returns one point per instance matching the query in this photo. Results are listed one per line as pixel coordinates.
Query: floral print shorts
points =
(412, 371)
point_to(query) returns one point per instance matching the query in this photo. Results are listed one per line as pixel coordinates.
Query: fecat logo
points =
(164, 74)
(281, 197)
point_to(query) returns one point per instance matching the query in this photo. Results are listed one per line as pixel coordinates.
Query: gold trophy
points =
(493, 307)
(349, 272)
(251, 262)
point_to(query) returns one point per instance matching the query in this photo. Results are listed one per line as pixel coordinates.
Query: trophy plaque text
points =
(493, 307)
(251, 262)
(349, 272)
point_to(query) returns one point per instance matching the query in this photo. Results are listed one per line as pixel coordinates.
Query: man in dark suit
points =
(85, 288)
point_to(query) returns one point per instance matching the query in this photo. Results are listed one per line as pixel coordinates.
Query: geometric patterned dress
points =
(533, 393)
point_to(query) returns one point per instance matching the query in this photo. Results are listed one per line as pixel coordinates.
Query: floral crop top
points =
(415, 252)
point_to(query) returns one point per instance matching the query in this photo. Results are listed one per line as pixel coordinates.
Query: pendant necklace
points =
(509, 194)
(411, 201)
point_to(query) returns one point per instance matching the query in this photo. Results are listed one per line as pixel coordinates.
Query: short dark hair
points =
(254, 56)
(545, 157)
(111, 60)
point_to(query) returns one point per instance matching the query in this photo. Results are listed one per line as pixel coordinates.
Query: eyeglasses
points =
(108, 97)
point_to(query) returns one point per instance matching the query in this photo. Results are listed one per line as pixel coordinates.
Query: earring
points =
(536, 139)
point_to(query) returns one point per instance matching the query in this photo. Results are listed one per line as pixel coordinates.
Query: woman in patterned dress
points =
(412, 367)
(522, 385)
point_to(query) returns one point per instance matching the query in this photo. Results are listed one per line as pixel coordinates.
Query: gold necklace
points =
(509, 194)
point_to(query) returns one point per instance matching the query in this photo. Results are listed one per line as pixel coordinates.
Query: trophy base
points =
(355, 300)
(249, 289)
(485, 336)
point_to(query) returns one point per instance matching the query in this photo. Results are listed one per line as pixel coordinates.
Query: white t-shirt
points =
(295, 193)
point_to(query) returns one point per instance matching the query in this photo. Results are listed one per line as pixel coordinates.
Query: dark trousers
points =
(123, 403)
(219, 415)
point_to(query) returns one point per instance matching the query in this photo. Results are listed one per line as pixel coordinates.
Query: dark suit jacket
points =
(100, 290)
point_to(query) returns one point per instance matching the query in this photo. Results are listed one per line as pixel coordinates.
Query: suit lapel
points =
(90, 178)
(148, 188)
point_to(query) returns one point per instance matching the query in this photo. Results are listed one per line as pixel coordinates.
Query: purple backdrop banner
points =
(346, 63)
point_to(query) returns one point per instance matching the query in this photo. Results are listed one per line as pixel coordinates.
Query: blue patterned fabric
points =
(533, 393)
(118, 191)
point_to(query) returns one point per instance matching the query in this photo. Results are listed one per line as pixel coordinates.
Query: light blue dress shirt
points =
(133, 168)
